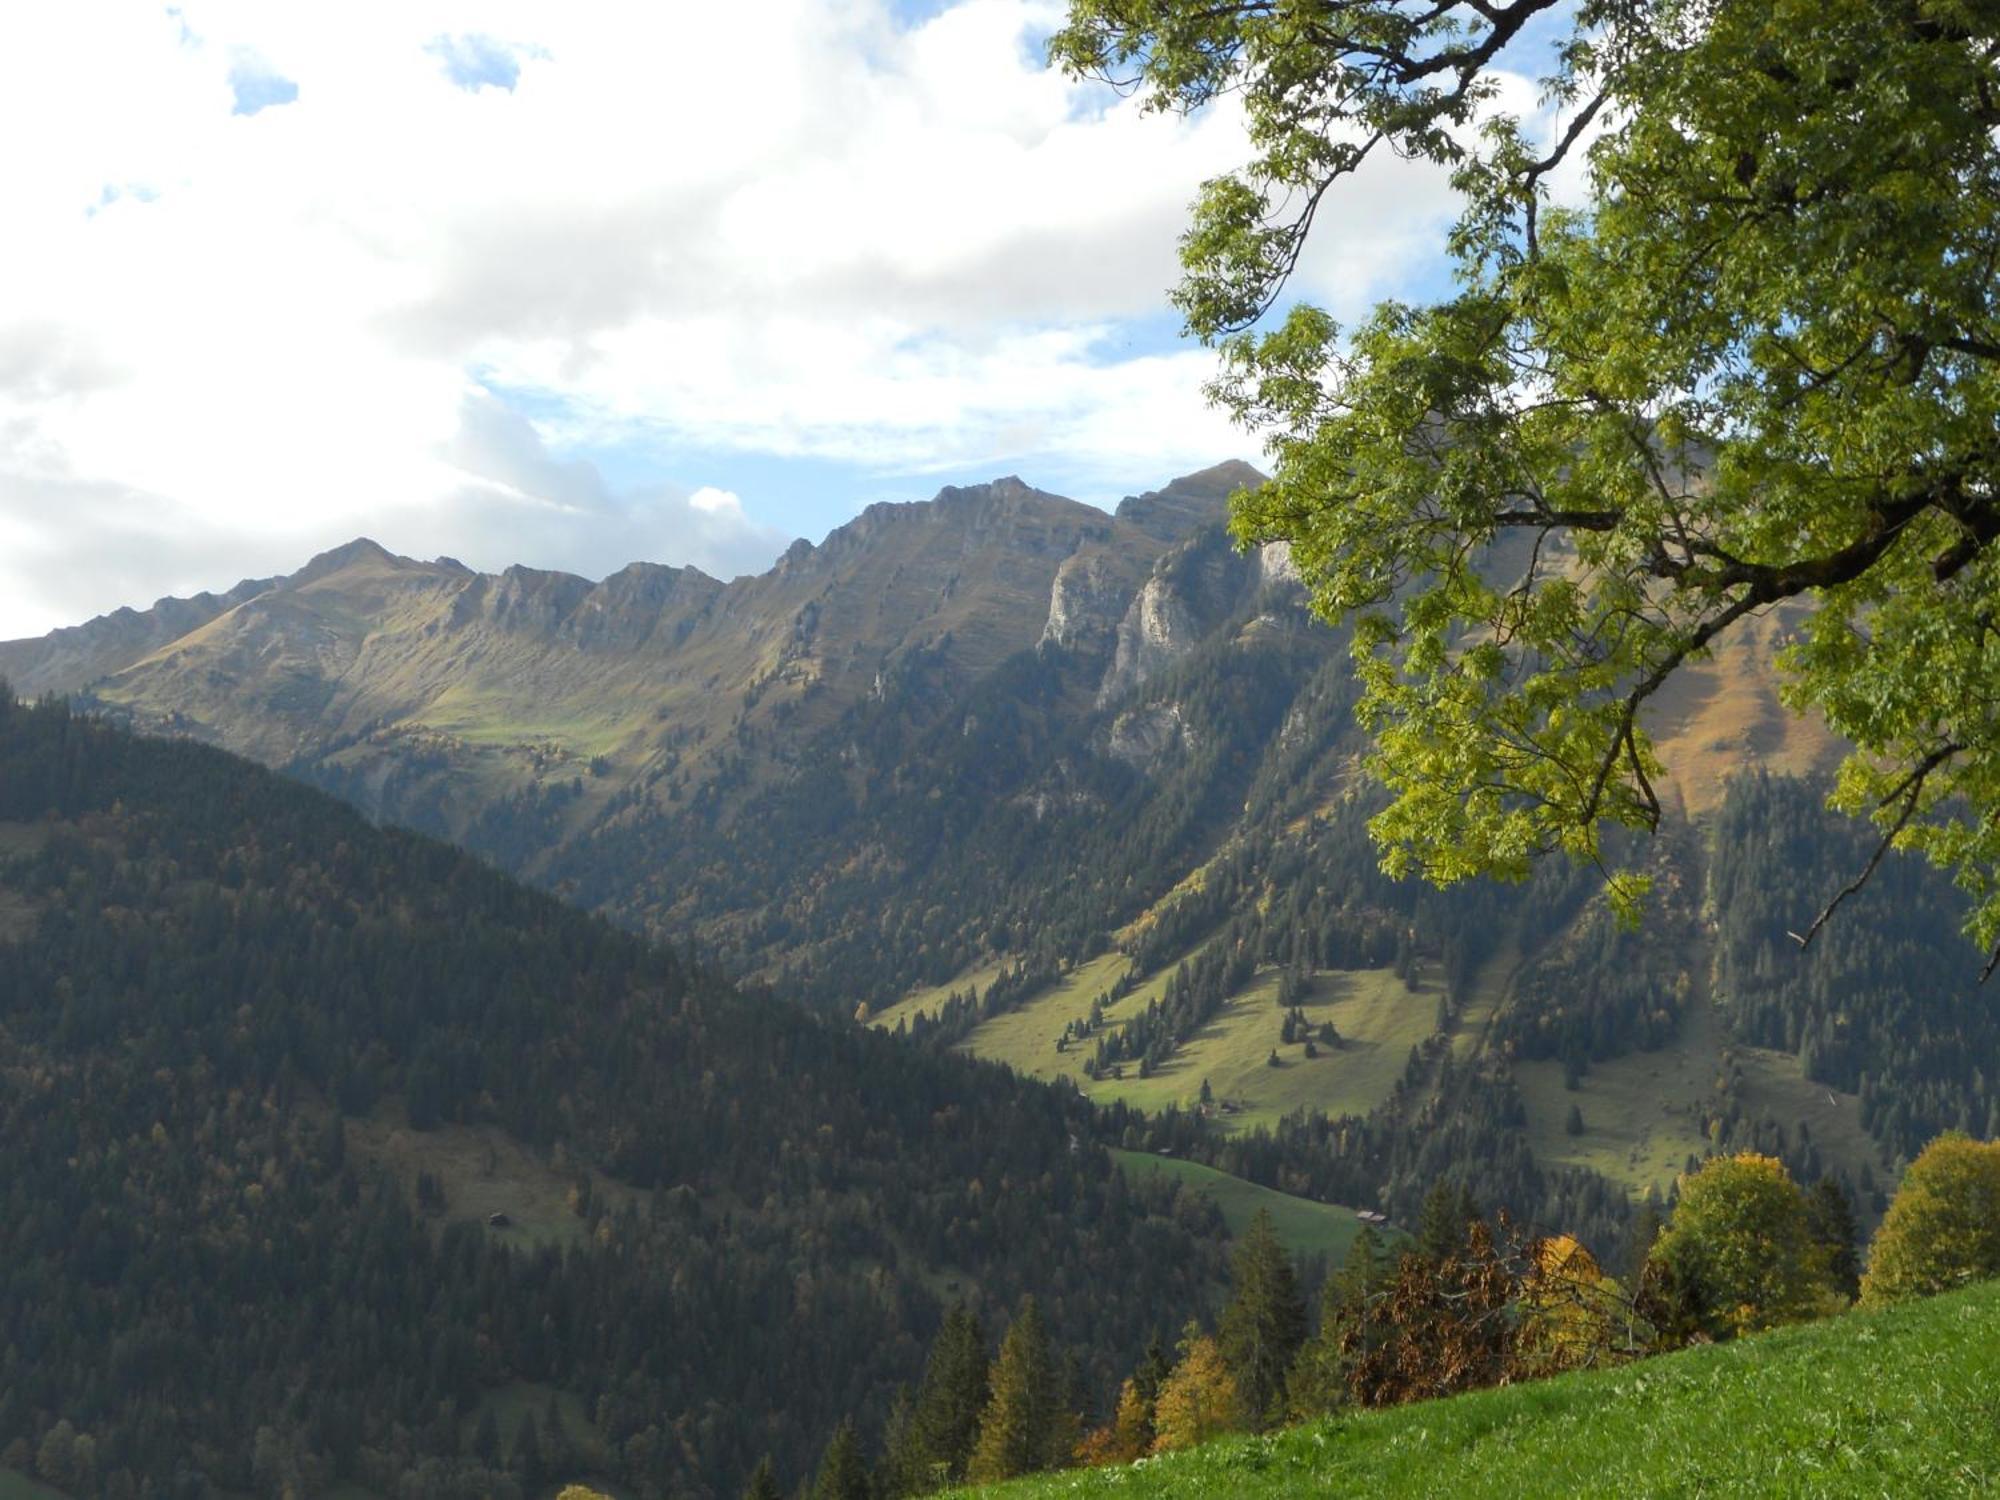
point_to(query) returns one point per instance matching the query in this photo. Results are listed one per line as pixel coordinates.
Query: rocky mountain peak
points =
(361, 550)
(1194, 500)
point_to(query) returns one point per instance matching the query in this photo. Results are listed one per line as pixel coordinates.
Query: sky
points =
(577, 284)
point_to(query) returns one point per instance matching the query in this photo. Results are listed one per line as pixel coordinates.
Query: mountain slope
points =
(1103, 772)
(1866, 1404)
(268, 1070)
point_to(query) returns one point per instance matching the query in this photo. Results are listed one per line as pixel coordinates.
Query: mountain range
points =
(998, 774)
(630, 742)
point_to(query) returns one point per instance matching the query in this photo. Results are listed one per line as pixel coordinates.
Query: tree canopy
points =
(1740, 1249)
(1943, 1229)
(1746, 358)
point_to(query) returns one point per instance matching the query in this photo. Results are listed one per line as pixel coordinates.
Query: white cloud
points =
(229, 339)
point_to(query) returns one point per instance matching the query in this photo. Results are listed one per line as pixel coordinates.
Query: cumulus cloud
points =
(476, 239)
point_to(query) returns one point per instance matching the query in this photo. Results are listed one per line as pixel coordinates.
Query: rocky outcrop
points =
(1090, 594)
(1191, 590)
(1275, 568)
(1143, 737)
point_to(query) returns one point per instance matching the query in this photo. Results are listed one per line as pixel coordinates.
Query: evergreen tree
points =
(1152, 1372)
(1448, 1212)
(763, 1483)
(936, 1442)
(1024, 1428)
(486, 1439)
(1318, 1380)
(1830, 1222)
(843, 1471)
(526, 1457)
(1264, 1323)
(1639, 1237)
(900, 1471)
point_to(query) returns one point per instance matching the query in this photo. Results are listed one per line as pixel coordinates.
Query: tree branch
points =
(1910, 789)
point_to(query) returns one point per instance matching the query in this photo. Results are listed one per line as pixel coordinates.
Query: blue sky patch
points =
(257, 87)
(474, 62)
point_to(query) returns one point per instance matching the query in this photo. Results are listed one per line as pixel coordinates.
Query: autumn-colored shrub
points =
(1943, 1227)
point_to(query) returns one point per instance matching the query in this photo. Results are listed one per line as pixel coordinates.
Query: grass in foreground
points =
(1901, 1402)
(1304, 1226)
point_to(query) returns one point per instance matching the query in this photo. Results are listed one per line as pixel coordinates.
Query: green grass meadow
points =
(1305, 1227)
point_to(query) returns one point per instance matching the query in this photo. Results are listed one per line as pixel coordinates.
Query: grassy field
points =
(923, 1000)
(1868, 1404)
(1024, 1038)
(484, 1171)
(1641, 1111)
(1379, 1019)
(1306, 1227)
(510, 1403)
(17, 839)
(14, 1485)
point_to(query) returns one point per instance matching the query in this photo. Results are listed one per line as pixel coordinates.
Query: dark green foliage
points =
(1025, 1426)
(1885, 1003)
(1349, 1331)
(1830, 1222)
(763, 1483)
(1449, 1211)
(843, 1472)
(937, 1438)
(1263, 1324)
(223, 961)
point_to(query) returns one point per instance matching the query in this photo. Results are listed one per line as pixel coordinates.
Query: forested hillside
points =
(271, 1074)
(993, 727)
(1080, 795)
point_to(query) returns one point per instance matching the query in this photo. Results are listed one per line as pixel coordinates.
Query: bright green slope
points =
(1303, 1226)
(1898, 1403)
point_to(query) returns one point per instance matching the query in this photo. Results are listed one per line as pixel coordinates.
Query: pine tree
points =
(526, 1458)
(1264, 1323)
(843, 1471)
(1318, 1380)
(930, 1436)
(1447, 1213)
(1830, 1222)
(1024, 1428)
(486, 1439)
(1153, 1371)
(901, 1471)
(944, 1418)
(763, 1482)
(1639, 1237)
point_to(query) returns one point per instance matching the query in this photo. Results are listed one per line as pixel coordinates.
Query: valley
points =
(1067, 809)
